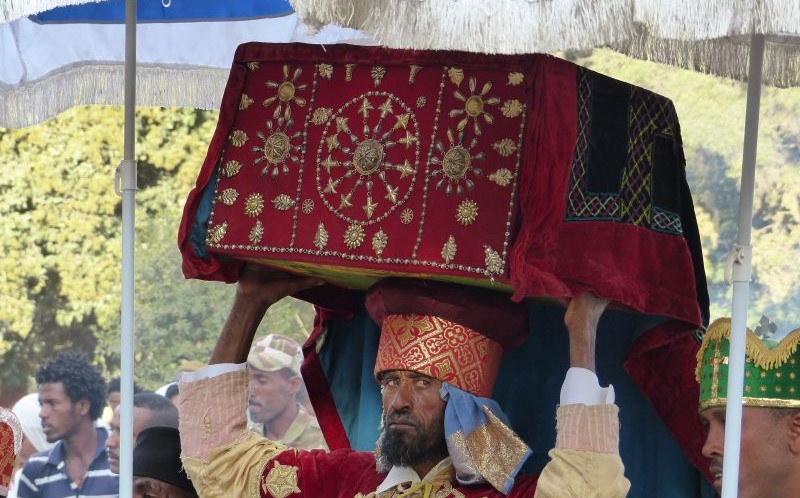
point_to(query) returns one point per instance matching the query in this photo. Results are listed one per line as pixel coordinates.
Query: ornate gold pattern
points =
(412, 73)
(321, 115)
(308, 206)
(474, 105)
(281, 481)
(369, 207)
(456, 75)
(245, 102)
(456, 163)
(368, 157)
(229, 196)
(377, 73)
(467, 212)
(354, 236)
(449, 250)
(278, 148)
(407, 216)
(321, 237)
(494, 264)
(348, 71)
(217, 232)
(282, 202)
(286, 93)
(502, 177)
(515, 79)
(325, 70)
(511, 108)
(421, 102)
(252, 66)
(505, 147)
(256, 233)
(237, 138)
(253, 204)
(379, 241)
(230, 169)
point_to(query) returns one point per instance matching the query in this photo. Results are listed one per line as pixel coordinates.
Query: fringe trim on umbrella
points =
(717, 18)
(103, 84)
(14, 9)
(498, 26)
(726, 57)
(755, 349)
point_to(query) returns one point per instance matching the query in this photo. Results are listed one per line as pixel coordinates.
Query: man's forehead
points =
(405, 373)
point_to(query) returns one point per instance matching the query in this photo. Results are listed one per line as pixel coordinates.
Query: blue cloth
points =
(468, 425)
(45, 475)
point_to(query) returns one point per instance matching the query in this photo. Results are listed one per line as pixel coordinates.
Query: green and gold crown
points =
(771, 372)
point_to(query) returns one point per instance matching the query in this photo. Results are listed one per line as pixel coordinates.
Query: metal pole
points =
(742, 269)
(127, 173)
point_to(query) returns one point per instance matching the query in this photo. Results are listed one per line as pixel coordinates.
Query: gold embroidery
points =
(475, 105)
(348, 71)
(405, 169)
(354, 236)
(406, 216)
(505, 147)
(421, 102)
(402, 121)
(449, 250)
(391, 194)
(321, 115)
(494, 265)
(277, 148)
(281, 481)
(245, 102)
(368, 157)
(386, 108)
(217, 232)
(229, 196)
(501, 177)
(283, 202)
(252, 66)
(377, 73)
(515, 79)
(253, 204)
(379, 241)
(455, 163)
(256, 233)
(467, 212)
(512, 108)
(329, 163)
(237, 138)
(412, 73)
(321, 237)
(230, 169)
(369, 207)
(366, 106)
(456, 75)
(716, 361)
(286, 93)
(325, 70)
(345, 201)
(308, 206)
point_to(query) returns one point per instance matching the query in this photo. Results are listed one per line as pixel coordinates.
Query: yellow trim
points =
(754, 402)
(756, 351)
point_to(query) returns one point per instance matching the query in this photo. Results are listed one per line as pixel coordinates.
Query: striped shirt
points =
(45, 475)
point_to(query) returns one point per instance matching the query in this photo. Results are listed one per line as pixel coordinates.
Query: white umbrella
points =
(716, 37)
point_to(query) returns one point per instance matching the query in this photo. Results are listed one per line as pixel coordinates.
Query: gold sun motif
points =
(277, 149)
(286, 93)
(253, 204)
(467, 212)
(354, 236)
(474, 105)
(456, 163)
(407, 216)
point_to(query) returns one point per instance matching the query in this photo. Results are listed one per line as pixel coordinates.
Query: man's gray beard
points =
(391, 450)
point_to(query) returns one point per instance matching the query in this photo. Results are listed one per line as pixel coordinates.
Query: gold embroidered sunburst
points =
(354, 236)
(237, 138)
(421, 102)
(467, 212)
(407, 216)
(308, 206)
(456, 163)
(286, 93)
(281, 481)
(253, 204)
(277, 148)
(475, 105)
(217, 232)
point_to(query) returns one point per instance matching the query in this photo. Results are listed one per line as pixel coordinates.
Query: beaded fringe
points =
(103, 84)
(755, 350)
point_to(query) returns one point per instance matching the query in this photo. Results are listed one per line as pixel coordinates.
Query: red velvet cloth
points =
(345, 473)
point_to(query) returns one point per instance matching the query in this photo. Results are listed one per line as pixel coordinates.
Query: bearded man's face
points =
(413, 419)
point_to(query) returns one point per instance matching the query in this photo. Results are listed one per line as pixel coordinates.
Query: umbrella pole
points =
(742, 269)
(128, 180)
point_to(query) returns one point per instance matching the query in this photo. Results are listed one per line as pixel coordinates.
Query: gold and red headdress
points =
(10, 445)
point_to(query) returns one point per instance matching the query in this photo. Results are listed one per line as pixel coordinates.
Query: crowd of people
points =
(243, 426)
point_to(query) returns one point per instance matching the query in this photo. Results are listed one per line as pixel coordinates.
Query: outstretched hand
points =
(582, 317)
(264, 286)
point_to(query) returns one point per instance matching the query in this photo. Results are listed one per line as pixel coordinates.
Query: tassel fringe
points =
(756, 351)
(14, 9)
(103, 84)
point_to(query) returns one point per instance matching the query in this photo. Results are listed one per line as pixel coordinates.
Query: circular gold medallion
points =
(456, 162)
(368, 156)
(474, 106)
(286, 91)
(276, 147)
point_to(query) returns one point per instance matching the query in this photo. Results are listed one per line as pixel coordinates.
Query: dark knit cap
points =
(157, 455)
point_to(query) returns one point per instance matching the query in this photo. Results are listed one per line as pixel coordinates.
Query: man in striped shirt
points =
(72, 397)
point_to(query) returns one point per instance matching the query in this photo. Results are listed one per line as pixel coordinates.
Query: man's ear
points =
(794, 432)
(294, 383)
(83, 406)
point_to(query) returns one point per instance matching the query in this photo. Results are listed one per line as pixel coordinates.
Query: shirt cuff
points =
(210, 371)
(582, 387)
